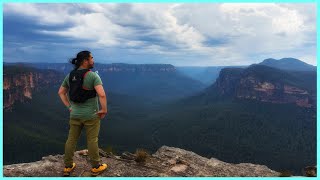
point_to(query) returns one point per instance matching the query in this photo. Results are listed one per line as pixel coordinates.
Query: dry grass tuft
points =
(141, 155)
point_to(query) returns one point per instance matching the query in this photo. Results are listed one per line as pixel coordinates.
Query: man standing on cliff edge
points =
(78, 93)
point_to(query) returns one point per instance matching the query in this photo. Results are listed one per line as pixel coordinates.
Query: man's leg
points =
(92, 132)
(70, 146)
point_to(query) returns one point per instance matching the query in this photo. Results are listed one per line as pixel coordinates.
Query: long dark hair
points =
(81, 56)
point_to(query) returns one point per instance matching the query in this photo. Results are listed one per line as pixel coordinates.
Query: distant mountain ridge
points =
(114, 67)
(288, 64)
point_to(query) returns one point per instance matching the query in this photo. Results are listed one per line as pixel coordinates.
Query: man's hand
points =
(102, 113)
(63, 95)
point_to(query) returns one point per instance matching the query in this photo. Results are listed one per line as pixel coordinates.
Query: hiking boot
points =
(98, 170)
(68, 170)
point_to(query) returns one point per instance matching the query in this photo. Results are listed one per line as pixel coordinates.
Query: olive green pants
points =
(92, 128)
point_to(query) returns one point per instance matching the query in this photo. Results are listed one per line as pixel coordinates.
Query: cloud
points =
(191, 33)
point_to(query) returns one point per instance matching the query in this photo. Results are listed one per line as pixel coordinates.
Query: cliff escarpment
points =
(20, 83)
(267, 84)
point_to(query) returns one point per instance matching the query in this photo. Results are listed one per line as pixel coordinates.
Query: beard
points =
(91, 66)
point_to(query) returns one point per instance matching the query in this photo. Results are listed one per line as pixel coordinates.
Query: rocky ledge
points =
(167, 161)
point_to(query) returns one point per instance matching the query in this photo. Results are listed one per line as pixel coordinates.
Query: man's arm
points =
(63, 95)
(103, 101)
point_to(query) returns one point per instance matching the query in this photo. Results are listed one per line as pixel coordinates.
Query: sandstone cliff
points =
(20, 83)
(167, 161)
(267, 84)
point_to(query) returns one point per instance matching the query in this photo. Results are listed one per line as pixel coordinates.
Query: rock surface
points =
(167, 161)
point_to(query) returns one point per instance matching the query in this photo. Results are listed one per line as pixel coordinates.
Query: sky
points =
(181, 34)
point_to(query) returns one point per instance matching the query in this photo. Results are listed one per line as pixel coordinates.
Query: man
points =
(78, 93)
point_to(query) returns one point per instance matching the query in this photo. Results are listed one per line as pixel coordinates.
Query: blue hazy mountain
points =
(206, 75)
(158, 82)
(289, 64)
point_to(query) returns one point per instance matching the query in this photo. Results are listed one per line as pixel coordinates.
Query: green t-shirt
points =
(88, 109)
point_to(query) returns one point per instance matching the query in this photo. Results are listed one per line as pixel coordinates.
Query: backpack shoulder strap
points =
(88, 70)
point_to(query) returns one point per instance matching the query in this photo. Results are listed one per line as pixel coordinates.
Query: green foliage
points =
(35, 129)
(241, 131)
(232, 131)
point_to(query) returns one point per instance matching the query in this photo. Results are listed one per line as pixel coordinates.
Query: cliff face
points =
(245, 84)
(227, 81)
(19, 86)
(167, 161)
(255, 89)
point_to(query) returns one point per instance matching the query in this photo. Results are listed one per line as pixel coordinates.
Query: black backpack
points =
(76, 92)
